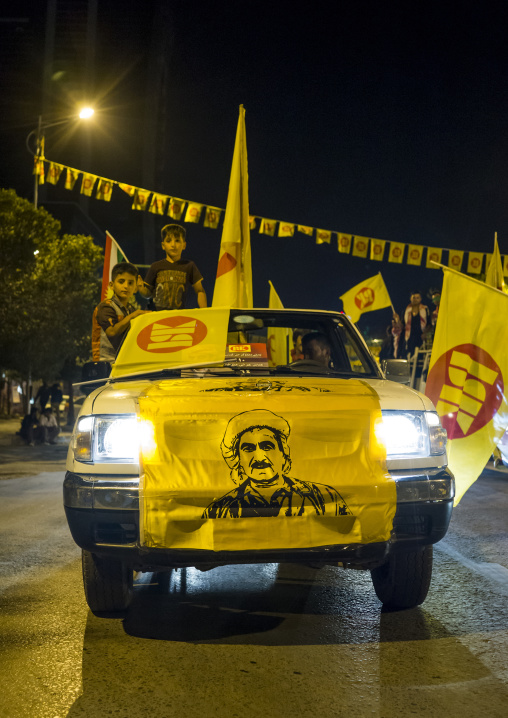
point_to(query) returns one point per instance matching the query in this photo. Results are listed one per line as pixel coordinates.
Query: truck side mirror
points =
(397, 370)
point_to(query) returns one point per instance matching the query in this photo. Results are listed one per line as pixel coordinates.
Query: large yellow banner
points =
(160, 340)
(468, 372)
(250, 464)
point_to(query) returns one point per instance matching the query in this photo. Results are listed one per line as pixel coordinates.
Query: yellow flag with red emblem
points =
(168, 339)
(468, 371)
(366, 297)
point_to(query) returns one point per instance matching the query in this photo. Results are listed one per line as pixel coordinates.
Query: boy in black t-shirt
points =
(167, 279)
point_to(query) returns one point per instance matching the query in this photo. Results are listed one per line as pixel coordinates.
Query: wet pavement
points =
(251, 640)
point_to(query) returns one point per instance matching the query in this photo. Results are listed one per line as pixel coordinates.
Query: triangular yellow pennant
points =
(212, 217)
(377, 249)
(286, 230)
(475, 262)
(193, 213)
(414, 254)
(158, 203)
(323, 236)
(344, 243)
(104, 190)
(175, 208)
(433, 255)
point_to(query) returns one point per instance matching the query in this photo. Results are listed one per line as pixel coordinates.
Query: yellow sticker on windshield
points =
(264, 464)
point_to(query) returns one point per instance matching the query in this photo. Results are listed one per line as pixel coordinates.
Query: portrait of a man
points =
(255, 447)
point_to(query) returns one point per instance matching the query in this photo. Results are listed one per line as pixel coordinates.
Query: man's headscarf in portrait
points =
(248, 421)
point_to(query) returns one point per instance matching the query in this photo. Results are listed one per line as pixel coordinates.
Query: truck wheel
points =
(107, 582)
(404, 580)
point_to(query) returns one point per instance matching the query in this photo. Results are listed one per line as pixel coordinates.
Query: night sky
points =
(380, 119)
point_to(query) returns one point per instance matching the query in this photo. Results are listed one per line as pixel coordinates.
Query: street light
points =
(84, 114)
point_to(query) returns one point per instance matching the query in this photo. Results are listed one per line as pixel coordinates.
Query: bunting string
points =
(189, 211)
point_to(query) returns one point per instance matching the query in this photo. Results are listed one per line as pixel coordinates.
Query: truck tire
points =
(404, 580)
(107, 583)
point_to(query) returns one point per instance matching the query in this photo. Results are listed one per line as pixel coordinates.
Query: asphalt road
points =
(246, 641)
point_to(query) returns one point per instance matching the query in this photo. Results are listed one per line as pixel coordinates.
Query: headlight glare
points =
(411, 434)
(107, 439)
(403, 434)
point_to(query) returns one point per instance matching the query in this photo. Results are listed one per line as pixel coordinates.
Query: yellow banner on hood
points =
(239, 465)
(161, 340)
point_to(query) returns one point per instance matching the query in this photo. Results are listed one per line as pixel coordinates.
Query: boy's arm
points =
(200, 294)
(143, 288)
(119, 327)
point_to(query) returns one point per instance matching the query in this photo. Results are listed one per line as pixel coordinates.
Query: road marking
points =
(493, 571)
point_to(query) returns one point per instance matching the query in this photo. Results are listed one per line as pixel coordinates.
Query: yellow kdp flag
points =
(360, 246)
(267, 226)
(141, 199)
(475, 262)
(455, 258)
(377, 249)
(505, 265)
(127, 188)
(414, 254)
(396, 252)
(175, 208)
(198, 489)
(104, 190)
(158, 203)
(38, 170)
(71, 178)
(252, 222)
(193, 213)
(54, 172)
(173, 338)
(286, 230)
(344, 243)
(433, 255)
(212, 217)
(468, 373)
(306, 230)
(494, 275)
(366, 297)
(87, 183)
(233, 283)
(277, 344)
(323, 236)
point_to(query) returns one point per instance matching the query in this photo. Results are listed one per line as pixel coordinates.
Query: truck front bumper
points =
(103, 517)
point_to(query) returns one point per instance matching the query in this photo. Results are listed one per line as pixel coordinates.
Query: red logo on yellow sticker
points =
(239, 347)
(466, 387)
(365, 297)
(172, 334)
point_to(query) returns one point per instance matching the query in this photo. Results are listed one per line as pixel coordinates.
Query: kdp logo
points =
(466, 387)
(171, 335)
(365, 297)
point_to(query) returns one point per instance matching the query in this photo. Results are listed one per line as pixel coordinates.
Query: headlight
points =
(107, 438)
(411, 434)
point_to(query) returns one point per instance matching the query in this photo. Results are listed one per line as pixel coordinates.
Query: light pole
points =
(84, 114)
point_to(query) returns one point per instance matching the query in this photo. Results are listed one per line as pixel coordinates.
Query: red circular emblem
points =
(171, 334)
(364, 298)
(466, 386)
(414, 253)
(455, 260)
(433, 257)
(475, 262)
(396, 252)
(377, 249)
